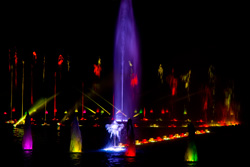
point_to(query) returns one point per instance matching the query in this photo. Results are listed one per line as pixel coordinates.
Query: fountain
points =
(27, 142)
(126, 71)
(191, 152)
(114, 129)
(76, 137)
(130, 150)
(126, 63)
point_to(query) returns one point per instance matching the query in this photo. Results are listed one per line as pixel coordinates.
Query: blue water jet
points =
(126, 63)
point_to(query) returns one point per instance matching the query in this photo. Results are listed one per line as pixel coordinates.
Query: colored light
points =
(97, 70)
(60, 60)
(134, 80)
(76, 137)
(191, 152)
(27, 142)
(114, 149)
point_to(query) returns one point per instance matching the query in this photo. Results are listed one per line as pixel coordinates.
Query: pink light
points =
(46, 112)
(5, 113)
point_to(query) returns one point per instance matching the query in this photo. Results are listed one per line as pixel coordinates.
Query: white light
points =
(115, 149)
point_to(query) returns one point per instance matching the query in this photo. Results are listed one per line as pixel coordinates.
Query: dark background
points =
(177, 35)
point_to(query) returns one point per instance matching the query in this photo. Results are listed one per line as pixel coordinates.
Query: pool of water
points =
(223, 146)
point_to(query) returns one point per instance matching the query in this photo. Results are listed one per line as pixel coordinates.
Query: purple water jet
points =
(27, 142)
(126, 63)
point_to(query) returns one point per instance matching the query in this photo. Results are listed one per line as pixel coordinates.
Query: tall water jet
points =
(130, 150)
(76, 137)
(27, 142)
(126, 63)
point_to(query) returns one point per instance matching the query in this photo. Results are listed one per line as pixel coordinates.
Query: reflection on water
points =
(27, 154)
(191, 164)
(118, 159)
(76, 159)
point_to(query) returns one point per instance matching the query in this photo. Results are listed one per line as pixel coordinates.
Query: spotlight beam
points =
(103, 99)
(40, 103)
(96, 103)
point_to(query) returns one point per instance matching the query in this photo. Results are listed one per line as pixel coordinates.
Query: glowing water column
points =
(126, 52)
(27, 142)
(76, 137)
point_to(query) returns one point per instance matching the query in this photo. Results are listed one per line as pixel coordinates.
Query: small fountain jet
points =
(76, 137)
(130, 150)
(114, 129)
(27, 142)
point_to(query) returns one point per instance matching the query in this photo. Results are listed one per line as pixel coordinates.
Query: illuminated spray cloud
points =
(126, 63)
(114, 129)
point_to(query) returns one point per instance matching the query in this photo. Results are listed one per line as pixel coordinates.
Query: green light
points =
(191, 152)
(140, 111)
(185, 112)
(40, 103)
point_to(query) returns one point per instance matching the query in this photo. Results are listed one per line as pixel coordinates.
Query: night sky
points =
(182, 36)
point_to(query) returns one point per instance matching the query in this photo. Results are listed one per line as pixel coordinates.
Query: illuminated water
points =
(51, 148)
(126, 62)
(76, 137)
(27, 142)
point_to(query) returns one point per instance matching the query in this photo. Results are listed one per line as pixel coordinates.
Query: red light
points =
(34, 56)
(97, 70)
(162, 111)
(136, 126)
(97, 110)
(60, 60)
(5, 113)
(151, 111)
(130, 151)
(134, 80)
(159, 138)
(14, 109)
(144, 141)
(166, 110)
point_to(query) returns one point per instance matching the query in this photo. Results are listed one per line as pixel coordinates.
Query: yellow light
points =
(152, 140)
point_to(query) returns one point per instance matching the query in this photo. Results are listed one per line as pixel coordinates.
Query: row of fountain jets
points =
(114, 130)
(76, 136)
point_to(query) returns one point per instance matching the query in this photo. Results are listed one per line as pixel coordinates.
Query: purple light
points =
(27, 142)
(126, 62)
